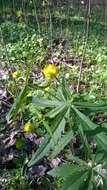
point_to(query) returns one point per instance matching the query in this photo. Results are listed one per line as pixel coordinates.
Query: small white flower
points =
(82, 2)
(67, 75)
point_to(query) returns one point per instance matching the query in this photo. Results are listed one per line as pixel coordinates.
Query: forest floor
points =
(24, 51)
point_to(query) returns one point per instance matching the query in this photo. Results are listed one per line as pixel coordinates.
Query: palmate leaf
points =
(49, 142)
(52, 140)
(17, 104)
(87, 125)
(56, 106)
(75, 177)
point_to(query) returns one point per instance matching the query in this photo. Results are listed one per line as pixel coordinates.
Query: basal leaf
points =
(48, 143)
(17, 104)
(62, 143)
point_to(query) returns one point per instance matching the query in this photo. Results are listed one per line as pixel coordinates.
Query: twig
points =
(36, 17)
(105, 39)
(85, 45)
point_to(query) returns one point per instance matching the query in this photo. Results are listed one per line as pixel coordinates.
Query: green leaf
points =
(66, 170)
(75, 177)
(47, 103)
(65, 90)
(97, 130)
(86, 145)
(76, 160)
(60, 95)
(88, 124)
(75, 181)
(62, 143)
(18, 104)
(91, 107)
(56, 111)
(49, 142)
(84, 120)
(87, 184)
(47, 127)
(99, 157)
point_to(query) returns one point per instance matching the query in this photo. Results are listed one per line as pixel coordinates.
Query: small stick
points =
(85, 45)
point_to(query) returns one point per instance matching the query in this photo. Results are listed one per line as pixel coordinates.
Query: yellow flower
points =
(50, 71)
(47, 89)
(28, 128)
(19, 13)
(40, 41)
(16, 74)
(29, 94)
